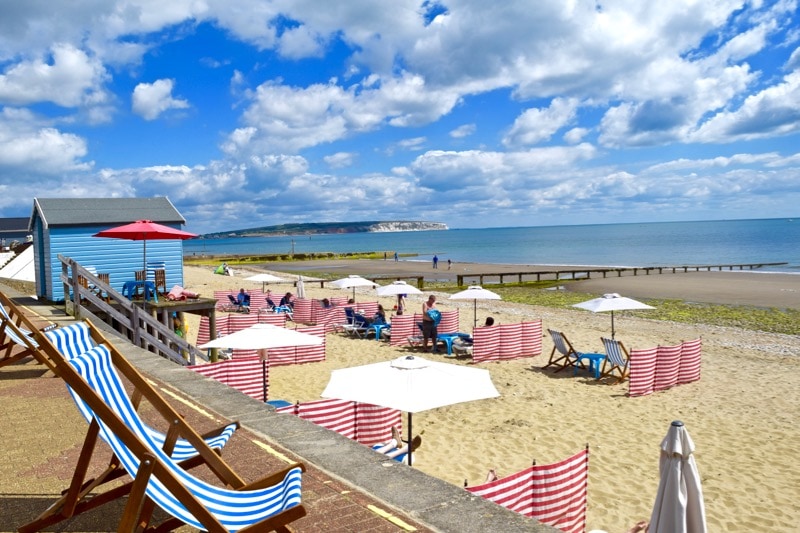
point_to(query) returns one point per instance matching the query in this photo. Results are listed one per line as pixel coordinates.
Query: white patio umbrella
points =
(351, 282)
(262, 337)
(475, 293)
(264, 279)
(679, 506)
(410, 384)
(612, 302)
(300, 287)
(397, 287)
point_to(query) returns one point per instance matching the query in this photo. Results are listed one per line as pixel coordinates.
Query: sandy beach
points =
(744, 413)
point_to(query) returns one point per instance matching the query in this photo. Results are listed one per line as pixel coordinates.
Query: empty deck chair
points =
(75, 339)
(93, 380)
(564, 355)
(616, 362)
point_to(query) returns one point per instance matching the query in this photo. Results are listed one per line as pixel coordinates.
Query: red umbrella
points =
(144, 230)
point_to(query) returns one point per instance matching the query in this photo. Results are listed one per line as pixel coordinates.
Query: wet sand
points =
(755, 288)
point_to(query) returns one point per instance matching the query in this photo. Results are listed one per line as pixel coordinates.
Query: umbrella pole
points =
(144, 267)
(612, 325)
(410, 437)
(264, 380)
(475, 314)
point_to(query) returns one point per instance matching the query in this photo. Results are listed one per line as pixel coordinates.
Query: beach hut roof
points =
(55, 212)
(15, 225)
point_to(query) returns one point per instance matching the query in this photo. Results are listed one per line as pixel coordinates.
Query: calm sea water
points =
(645, 244)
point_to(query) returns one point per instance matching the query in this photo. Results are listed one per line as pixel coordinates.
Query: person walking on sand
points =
(401, 304)
(395, 257)
(435, 261)
(449, 264)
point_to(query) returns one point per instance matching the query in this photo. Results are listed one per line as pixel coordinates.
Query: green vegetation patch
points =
(773, 320)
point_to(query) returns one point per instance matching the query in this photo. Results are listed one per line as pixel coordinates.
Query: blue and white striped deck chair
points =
(101, 397)
(71, 340)
(16, 342)
(563, 354)
(75, 339)
(617, 359)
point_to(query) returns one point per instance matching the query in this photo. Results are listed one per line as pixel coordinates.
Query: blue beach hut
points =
(66, 226)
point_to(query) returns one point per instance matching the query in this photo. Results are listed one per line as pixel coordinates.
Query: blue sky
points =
(471, 113)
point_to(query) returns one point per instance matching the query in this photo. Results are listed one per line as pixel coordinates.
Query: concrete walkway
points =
(347, 486)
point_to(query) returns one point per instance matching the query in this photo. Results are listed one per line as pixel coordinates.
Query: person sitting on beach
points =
(379, 317)
(243, 299)
(286, 301)
(270, 301)
(326, 304)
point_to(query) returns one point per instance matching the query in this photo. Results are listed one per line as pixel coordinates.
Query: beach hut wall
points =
(65, 226)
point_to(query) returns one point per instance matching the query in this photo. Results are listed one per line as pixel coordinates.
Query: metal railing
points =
(98, 301)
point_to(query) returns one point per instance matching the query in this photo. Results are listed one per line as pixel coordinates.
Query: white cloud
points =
(794, 60)
(576, 135)
(773, 111)
(414, 144)
(69, 78)
(30, 148)
(465, 130)
(289, 119)
(150, 100)
(299, 43)
(537, 125)
(340, 159)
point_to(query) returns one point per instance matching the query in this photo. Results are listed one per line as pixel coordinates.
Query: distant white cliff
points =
(406, 226)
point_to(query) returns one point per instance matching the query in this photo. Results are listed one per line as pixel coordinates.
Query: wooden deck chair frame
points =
(77, 498)
(563, 354)
(160, 279)
(74, 339)
(16, 342)
(100, 395)
(616, 365)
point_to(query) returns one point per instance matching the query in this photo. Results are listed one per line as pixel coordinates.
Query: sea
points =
(717, 242)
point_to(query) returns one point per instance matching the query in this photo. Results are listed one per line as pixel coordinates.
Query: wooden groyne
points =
(586, 273)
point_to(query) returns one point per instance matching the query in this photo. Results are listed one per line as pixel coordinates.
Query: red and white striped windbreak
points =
(553, 494)
(657, 369)
(247, 375)
(507, 341)
(364, 423)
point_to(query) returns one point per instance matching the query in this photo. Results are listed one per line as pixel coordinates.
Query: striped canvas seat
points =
(101, 396)
(75, 339)
(616, 362)
(563, 354)
(71, 340)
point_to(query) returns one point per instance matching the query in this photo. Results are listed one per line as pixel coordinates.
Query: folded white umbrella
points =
(264, 279)
(475, 293)
(397, 287)
(679, 506)
(612, 302)
(351, 282)
(410, 384)
(301, 287)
